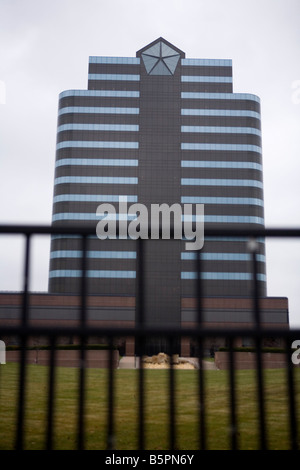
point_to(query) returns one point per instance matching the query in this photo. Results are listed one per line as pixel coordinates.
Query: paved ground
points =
(131, 362)
(209, 365)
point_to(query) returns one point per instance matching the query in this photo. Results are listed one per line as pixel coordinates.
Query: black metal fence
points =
(25, 330)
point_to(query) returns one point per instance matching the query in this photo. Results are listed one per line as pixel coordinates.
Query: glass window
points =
(229, 219)
(96, 162)
(220, 96)
(221, 130)
(220, 164)
(99, 127)
(97, 110)
(222, 200)
(95, 180)
(96, 144)
(91, 198)
(213, 146)
(224, 276)
(205, 79)
(94, 254)
(92, 273)
(207, 62)
(220, 182)
(114, 60)
(221, 256)
(100, 93)
(220, 112)
(160, 59)
(90, 216)
(113, 76)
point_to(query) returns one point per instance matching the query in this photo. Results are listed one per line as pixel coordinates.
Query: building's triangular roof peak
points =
(157, 43)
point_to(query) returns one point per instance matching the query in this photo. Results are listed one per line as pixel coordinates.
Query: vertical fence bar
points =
(26, 281)
(257, 319)
(202, 417)
(139, 339)
(172, 420)
(233, 423)
(110, 417)
(50, 420)
(291, 398)
(83, 292)
(24, 321)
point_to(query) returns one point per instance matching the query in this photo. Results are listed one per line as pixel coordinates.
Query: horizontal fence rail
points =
(140, 332)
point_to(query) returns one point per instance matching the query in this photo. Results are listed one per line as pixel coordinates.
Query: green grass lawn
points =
(156, 408)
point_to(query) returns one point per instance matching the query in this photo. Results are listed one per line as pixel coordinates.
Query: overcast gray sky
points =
(44, 49)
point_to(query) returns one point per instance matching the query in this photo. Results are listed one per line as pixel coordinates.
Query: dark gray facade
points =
(158, 128)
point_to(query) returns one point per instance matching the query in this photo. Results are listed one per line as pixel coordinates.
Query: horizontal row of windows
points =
(221, 130)
(136, 61)
(209, 62)
(227, 147)
(97, 144)
(207, 239)
(100, 93)
(92, 273)
(91, 198)
(220, 164)
(114, 76)
(72, 237)
(219, 96)
(134, 162)
(207, 218)
(220, 112)
(222, 200)
(132, 274)
(114, 60)
(184, 181)
(222, 276)
(135, 128)
(95, 180)
(97, 110)
(222, 256)
(94, 254)
(184, 199)
(205, 79)
(132, 255)
(233, 239)
(135, 145)
(184, 112)
(97, 162)
(220, 182)
(90, 216)
(227, 219)
(98, 127)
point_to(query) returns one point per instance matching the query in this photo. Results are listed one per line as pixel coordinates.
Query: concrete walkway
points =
(209, 365)
(132, 362)
(129, 362)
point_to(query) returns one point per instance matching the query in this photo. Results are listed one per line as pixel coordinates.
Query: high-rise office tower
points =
(158, 128)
